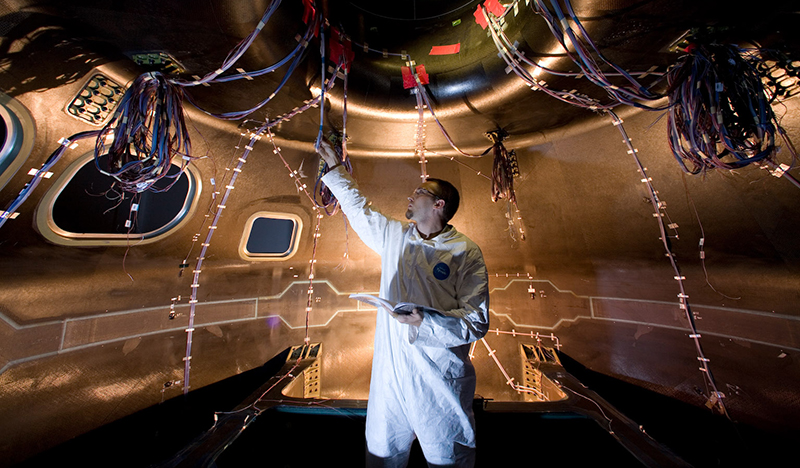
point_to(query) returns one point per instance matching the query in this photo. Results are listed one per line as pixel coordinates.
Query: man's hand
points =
(414, 318)
(328, 154)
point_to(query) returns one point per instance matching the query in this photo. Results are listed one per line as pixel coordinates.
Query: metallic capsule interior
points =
(93, 327)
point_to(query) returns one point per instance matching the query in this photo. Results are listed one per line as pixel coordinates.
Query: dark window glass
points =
(271, 236)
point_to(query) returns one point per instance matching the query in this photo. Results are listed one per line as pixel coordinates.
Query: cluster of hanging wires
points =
(720, 115)
(148, 131)
(148, 125)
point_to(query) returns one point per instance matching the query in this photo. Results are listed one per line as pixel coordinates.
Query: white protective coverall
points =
(423, 382)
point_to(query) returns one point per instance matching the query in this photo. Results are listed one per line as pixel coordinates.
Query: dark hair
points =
(447, 192)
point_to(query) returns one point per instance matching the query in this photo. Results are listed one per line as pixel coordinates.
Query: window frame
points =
(268, 257)
(51, 232)
(22, 130)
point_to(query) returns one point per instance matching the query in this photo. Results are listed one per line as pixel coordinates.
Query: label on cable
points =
(780, 170)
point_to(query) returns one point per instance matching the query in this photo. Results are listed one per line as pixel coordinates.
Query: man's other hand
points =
(414, 318)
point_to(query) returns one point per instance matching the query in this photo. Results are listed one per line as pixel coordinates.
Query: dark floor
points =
(281, 438)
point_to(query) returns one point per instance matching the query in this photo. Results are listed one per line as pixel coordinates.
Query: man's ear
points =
(439, 204)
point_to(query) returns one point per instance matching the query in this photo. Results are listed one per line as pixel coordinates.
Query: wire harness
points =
(720, 115)
(148, 130)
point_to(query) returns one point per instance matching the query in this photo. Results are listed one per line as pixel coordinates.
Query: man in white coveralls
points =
(422, 383)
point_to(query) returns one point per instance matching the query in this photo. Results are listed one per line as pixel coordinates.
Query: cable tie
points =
(780, 170)
(695, 336)
(188, 330)
(679, 278)
(673, 225)
(229, 187)
(7, 215)
(135, 207)
(63, 142)
(128, 223)
(702, 359)
(260, 25)
(195, 285)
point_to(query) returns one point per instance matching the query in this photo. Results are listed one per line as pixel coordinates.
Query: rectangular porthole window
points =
(270, 236)
(84, 207)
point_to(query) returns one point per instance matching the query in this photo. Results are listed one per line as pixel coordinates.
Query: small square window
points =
(270, 236)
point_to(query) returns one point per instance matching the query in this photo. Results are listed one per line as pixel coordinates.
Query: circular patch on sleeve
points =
(441, 271)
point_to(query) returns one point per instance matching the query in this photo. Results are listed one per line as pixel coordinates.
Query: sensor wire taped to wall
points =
(690, 315)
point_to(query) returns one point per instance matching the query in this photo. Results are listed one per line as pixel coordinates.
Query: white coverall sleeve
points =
(466, 324)
(369, 224)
